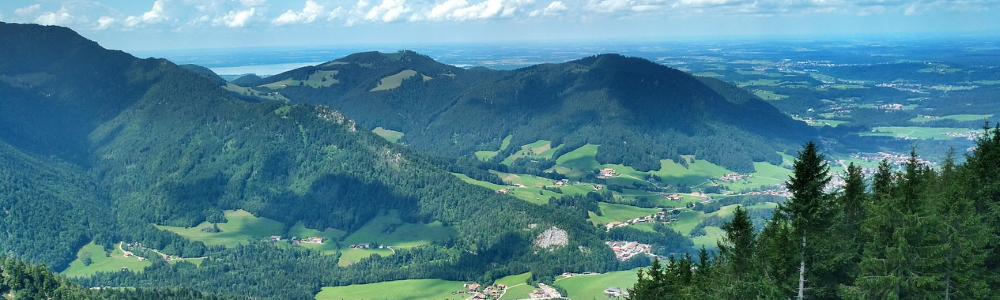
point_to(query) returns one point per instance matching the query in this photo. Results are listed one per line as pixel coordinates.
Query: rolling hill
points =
(637, 111)
(99, 146)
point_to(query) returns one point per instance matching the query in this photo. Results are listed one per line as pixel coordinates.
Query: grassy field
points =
(487, 155)
(769, 95)
(401, 289)
(540, 149)
(518, 292)
(389, 135)
(953, 117)
(513, 280)
(695, 174)
(585, 287)
(922, 133)
(710, 239)
(580, 161)
(389, 230)
(349, 256)
(102, 263)
(329, 234)
(531, 194)
(620, 213)
(242, 227)
(394, 81)
(686, 221)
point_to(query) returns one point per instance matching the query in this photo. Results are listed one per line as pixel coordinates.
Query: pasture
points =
(102, 262)
(400, 289)
(389, 135)
(593, 286)
(241, 227)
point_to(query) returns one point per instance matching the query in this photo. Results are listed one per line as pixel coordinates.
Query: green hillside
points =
(105, 158)
(637, 111)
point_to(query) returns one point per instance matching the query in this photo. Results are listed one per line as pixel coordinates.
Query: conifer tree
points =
(961, 230)
(808, 208)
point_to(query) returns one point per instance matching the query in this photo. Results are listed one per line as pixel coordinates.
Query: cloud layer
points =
(182, 14)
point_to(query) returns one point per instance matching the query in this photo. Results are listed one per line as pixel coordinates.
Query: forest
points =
(640, 112)
(910, 233)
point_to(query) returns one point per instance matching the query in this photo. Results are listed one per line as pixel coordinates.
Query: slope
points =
(638, 111)
(167, 146)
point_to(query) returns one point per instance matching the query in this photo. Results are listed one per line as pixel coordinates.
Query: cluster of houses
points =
(660, 216)
(545, 292)
(971, 135)
(607, 173)
(776, 192)
(368, 246)
(731, 177)
(130, 254)
(672, 197)
(488, 292)
(562, 182)
(627, 250)
(615, 292)
(893, 158)
(296, 240)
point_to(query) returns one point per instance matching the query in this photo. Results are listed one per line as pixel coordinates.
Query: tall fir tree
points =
(961, 231)
(808, 208)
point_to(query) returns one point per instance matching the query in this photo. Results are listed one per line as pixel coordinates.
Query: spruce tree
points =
(962, 232)
(808, 208)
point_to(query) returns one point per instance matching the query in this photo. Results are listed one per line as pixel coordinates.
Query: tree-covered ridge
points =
(20, 280)
(914, 233)
(638, 111)
(112, 144)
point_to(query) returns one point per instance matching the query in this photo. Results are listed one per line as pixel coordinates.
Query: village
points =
(296, 240)
(627, 250)
(477, 291)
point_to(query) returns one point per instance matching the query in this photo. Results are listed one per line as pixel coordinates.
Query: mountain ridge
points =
(153, 143)
(593, 100)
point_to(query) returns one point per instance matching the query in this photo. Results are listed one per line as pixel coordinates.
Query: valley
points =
(395, 175)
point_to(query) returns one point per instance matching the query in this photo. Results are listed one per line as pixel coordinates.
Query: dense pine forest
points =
(912, 233)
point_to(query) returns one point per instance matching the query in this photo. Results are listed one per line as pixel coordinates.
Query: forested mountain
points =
(638, 111)
(97, 145)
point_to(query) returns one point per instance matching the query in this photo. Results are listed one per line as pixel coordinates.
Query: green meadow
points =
(593, 286)
(102, 262)
(241, 227)
(540, 149)
(913, 132)
(394, 81)
(389, 135)
(578, 162)
(620, 213)
(400, 290)
(967, 117)
(487, 155)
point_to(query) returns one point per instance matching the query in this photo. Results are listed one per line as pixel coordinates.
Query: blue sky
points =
(135, 25)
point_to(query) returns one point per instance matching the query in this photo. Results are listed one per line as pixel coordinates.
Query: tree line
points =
(913, 233)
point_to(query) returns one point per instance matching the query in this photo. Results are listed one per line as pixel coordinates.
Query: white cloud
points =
(26, 11)
(105, 23)
(555, 8)
(461, 10)
(387, 11)
(252, 3)
(60, 17)
(608, 6)
(309, 13)
(237, 18)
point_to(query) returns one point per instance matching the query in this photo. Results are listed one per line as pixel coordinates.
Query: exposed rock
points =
(552, 237)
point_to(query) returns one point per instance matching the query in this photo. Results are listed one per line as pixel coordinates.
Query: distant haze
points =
(180, 24)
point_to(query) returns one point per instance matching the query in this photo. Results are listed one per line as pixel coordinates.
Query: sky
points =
(143, 25)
